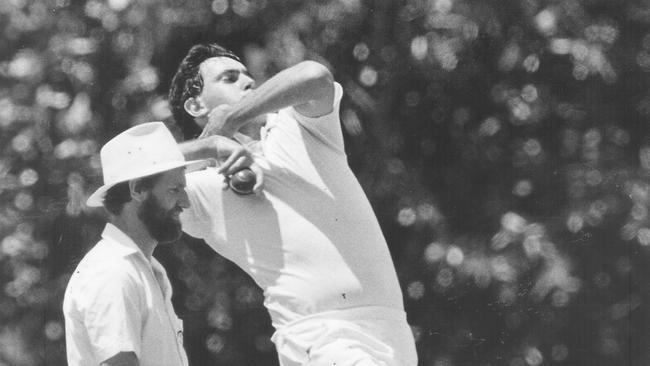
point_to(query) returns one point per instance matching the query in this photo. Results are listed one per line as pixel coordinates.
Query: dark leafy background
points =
(502, 143)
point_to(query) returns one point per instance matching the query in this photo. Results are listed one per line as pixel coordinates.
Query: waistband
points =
(348, 314)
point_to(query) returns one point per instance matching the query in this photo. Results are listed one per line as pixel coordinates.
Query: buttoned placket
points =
(164, 292)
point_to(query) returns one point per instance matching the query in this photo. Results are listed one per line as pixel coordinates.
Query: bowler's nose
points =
(248, 82)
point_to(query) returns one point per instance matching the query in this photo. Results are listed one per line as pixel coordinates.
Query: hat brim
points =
(97, 198)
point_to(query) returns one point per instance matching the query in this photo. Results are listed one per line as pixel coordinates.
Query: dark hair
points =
(188, 83)
(119, 194)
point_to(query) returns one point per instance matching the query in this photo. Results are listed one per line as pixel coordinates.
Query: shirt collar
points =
(125, 245)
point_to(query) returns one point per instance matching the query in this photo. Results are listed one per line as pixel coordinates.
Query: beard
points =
(161, 224)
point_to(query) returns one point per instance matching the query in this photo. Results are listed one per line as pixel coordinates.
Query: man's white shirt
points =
(118, 301)
(311, 241)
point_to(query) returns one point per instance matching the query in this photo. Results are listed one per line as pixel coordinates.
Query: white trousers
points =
(365, 336)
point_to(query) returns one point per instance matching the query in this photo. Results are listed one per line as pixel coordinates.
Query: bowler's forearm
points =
(307, 84)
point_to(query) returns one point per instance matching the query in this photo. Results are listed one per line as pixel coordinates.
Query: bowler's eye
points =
(230, 76)
(174, 190)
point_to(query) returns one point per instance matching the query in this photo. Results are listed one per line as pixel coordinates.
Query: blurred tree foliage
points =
(503, 144)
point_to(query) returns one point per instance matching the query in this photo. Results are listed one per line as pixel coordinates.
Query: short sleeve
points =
(203, 189)
(113, 312)
(326, 128)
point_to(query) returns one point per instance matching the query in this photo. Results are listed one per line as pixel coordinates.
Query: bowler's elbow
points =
(319, 77)
(317, 71)
(316, 90)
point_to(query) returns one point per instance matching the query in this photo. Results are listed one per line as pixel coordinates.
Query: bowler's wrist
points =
(222, 147)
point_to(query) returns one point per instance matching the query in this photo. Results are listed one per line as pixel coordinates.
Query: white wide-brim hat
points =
(140, 151)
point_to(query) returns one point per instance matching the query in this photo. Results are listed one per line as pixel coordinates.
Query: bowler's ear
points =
(195, 107)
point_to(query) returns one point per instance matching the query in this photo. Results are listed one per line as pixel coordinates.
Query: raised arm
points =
(307, 86)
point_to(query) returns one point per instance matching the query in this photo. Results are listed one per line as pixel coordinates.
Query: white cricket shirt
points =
(311, 241)
(118, 301)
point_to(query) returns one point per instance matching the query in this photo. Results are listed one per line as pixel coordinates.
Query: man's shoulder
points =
(208, 192)
(105, 260)
(100, 271)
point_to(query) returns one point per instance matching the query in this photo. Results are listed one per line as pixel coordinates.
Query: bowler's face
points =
(225, 81)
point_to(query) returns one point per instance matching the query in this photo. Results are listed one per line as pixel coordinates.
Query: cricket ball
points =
(243, 181)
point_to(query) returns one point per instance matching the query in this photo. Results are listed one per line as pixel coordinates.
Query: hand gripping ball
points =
(242, 181)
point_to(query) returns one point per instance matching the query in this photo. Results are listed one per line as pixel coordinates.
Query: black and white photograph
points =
(324, 182)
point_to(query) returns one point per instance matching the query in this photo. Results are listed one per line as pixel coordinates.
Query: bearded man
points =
(117, 305)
